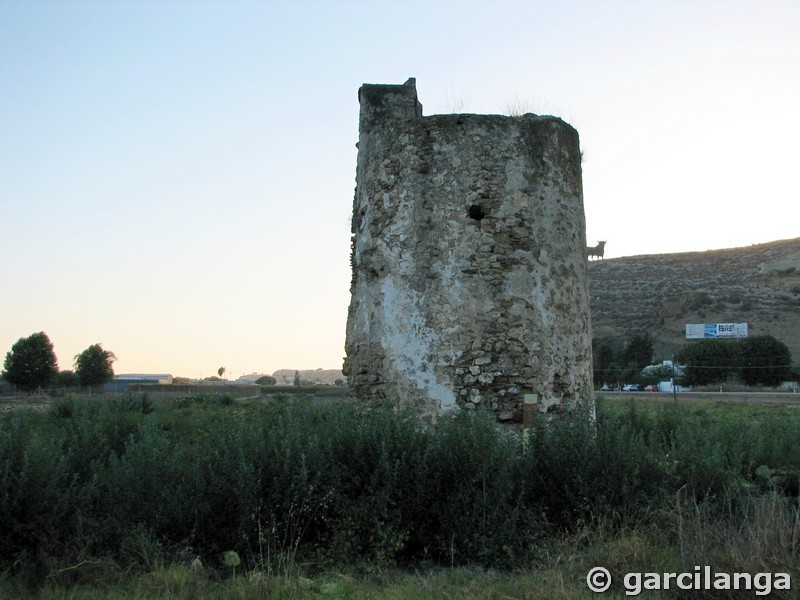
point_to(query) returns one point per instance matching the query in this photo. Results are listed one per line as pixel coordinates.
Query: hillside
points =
(660, 293)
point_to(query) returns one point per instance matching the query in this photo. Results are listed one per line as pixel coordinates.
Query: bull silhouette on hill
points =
(596, 251)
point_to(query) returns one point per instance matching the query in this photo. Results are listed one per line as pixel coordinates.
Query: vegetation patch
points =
(201, 498)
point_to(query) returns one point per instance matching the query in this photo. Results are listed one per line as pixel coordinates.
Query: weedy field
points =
(207, 497)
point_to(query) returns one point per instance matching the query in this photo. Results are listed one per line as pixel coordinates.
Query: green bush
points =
(285, 483)
(759, 360)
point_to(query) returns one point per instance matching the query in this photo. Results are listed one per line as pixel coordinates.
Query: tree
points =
(639, 351)
(220, 371)
(618, 361)
(603, 358)
(710, 361)
(297, 377)
(765, 361)
(266, 380)
(93, 366)
(760, 360)
(653, 374)
(31, 363)
(67, 379)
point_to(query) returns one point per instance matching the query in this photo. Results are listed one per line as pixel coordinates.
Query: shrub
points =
(710, 361)
(760, 360)
(285, 483)
(765, 361)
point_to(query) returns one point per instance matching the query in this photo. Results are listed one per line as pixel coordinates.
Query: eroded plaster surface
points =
(469, 281)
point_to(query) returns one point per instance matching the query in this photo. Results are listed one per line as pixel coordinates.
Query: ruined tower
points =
(469, 278)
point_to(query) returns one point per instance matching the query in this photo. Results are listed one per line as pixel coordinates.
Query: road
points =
(782, 398)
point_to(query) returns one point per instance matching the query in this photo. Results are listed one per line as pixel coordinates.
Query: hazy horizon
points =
(176, 178)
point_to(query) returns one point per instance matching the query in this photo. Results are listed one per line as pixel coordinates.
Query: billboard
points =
(706, 331)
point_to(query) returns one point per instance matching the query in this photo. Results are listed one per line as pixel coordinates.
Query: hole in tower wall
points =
(476, 212)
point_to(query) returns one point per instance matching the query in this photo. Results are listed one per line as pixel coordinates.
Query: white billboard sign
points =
(706, 331)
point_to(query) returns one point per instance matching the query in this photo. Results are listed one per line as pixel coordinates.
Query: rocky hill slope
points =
(659, 294)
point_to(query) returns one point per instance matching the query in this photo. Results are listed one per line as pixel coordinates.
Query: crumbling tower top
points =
(382, 103)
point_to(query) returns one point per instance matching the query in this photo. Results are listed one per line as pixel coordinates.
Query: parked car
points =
(651, 388)
(632, 387)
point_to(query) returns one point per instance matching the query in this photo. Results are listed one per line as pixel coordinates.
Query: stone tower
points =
(469, 281)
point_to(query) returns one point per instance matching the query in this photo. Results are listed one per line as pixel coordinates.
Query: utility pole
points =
(674, 388)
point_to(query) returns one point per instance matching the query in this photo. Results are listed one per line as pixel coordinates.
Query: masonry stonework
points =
(469, 284)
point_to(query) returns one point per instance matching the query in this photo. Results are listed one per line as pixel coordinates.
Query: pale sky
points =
(176, 177)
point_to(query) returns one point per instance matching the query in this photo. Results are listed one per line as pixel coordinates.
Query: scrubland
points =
(207, 497)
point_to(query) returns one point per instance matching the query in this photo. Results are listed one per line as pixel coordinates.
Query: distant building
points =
(120, 383)
(144, 378)
(251, 378)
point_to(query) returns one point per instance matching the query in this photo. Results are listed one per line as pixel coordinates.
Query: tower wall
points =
(469, 281)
